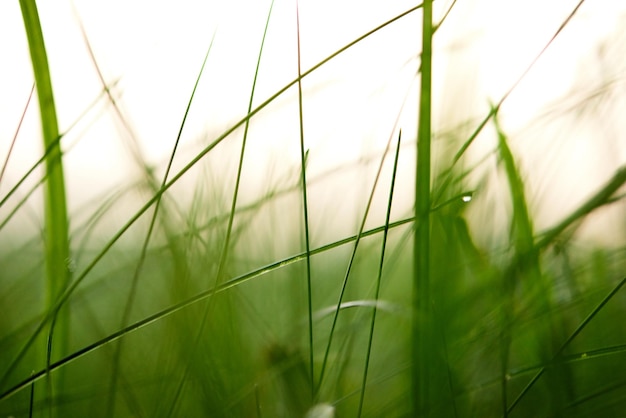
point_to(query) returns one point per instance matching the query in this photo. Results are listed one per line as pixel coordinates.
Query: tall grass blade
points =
(56, 224)
(421, 328)
(305, 208)
(525, 258)
(379, 278)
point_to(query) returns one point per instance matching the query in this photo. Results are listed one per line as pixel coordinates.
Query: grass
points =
(56, 222)
(192, 293)
(423, 326)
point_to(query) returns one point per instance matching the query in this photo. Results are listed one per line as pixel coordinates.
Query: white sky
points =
(154, 50)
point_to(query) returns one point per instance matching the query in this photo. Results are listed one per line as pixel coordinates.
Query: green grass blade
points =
(305, 208)
(522, 229)
(525, 255)
(379, 278)
(56, 223)
(422, 337)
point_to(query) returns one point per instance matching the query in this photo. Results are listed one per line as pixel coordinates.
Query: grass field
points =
(325, 251)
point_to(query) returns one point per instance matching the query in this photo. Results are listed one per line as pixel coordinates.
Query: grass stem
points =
(305, 203)
(421, 327)
(56, 224)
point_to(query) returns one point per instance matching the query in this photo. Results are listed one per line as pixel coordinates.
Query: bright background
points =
(150, 52)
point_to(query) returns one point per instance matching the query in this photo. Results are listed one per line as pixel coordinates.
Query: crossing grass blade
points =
(567, 342)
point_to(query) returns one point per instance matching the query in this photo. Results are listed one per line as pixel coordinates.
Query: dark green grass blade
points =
(32, 400)
(379, 278)
(421, 328)
(567, 342)
(305, 209)
(68, 292)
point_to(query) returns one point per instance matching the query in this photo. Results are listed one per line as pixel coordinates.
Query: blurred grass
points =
(223, 323)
